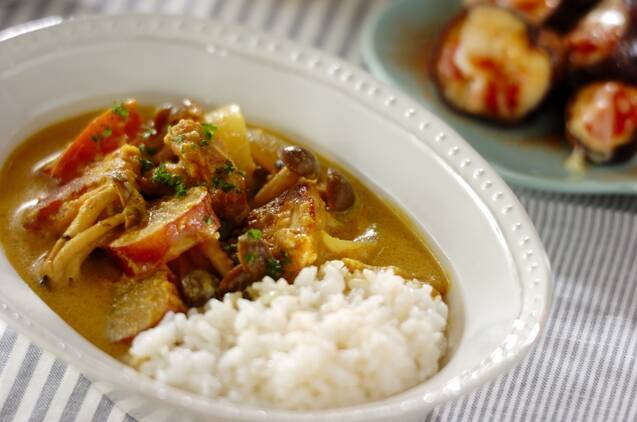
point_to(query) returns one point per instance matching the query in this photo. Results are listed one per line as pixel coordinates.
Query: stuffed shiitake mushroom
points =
(490, 63)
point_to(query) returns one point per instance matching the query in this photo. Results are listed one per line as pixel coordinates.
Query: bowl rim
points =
(523, 243)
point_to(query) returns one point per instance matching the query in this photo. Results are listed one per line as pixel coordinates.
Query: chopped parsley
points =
(250, 257)
(146, 165)
(254, 234)
(230, 248)
(145, 149)
(119, 109)
(219, 183)
(148, 132)
(208, 220)
(228, 167)
(108, 131)
(209, 131)
(179, 139)
(163, 177)
(274, 268)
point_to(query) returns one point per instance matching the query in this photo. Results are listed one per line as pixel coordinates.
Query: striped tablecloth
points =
(584, 365)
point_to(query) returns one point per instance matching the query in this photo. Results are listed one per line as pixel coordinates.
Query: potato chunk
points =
(141, 304)
(174, 226)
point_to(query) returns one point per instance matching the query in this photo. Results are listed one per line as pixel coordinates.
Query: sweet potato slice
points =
(141, 304)
(54, 212)
(104, 134)
(174, 226)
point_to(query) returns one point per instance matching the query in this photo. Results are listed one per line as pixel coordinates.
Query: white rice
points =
(333, 338)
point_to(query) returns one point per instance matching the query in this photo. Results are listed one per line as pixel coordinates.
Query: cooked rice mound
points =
(333, 338)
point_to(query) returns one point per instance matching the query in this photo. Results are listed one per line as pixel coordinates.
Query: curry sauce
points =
(86, 303)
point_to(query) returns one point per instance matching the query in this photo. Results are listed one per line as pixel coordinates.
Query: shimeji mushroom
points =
(109, 199)
(297, 162)
(85, 233)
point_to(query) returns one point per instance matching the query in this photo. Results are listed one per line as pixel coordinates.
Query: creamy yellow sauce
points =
(85, 304)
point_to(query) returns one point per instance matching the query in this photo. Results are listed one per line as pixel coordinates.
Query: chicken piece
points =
(174, 226)
(205, 161)
(291, 225)
(141, 304)
(103, 135)
(55, 212)
(151, 140)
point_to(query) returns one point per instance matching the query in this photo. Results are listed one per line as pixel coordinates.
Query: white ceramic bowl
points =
(500, 274)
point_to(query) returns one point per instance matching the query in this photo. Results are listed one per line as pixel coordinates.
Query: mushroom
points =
(339, 193)
(197, 287)
(254, 254)
(216, 255)
(299, 162)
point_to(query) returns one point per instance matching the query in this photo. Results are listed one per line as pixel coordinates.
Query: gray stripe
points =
(75, 400)
(103, 410)
(49, 389)
(326, 22)
(580, 257)
(353, 27)
(39, 9)
(9, 11)
(631, 336)
(533, 371)
(7, 341)
(622, 335)
(129, 418)
(273, 12)
(20, 383)
(218, 9)
(590, 270)
(71, 8)
(299, 18)
(600, 326)
(245, 11)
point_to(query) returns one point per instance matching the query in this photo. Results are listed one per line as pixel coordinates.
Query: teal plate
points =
(397, 43)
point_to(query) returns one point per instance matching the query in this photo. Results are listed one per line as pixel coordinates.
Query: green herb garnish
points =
(163, 177)
(146, 165)
(219, 183)
(120, 110)
(105, 134)
(274, 268)
(148, 132)
(208, 220)
(250, 257)
(230, 248)
(209, 131)
(254, 234)
(108, 131)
